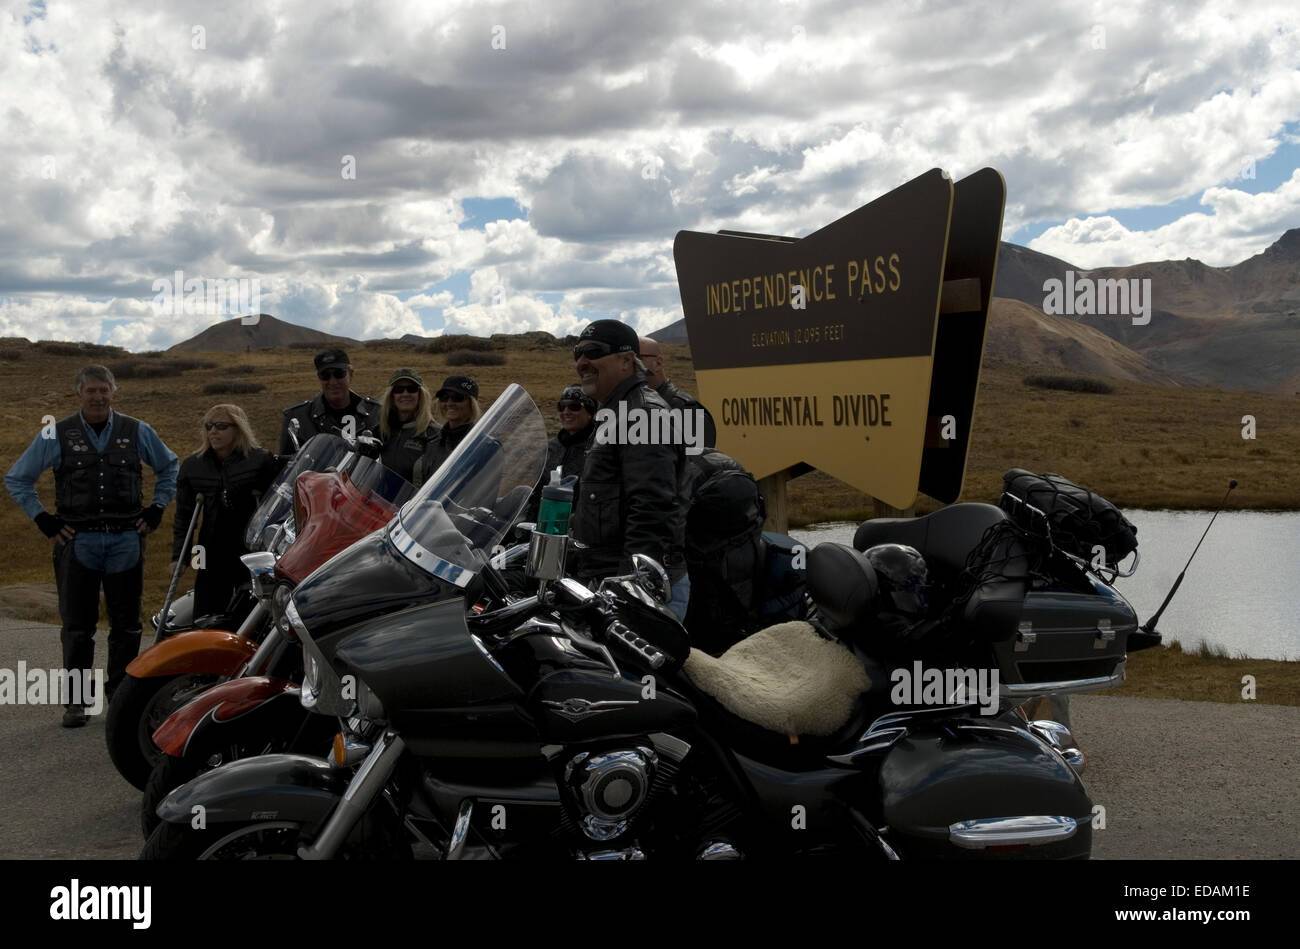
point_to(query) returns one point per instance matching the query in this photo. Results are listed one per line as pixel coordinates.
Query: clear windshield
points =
(466, 508)
(380, 484)
(320, 453)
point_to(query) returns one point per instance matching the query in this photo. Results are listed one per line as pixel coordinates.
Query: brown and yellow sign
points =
(821, 350)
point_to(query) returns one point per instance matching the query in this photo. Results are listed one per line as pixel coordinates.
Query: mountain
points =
(1018, 332)
(234, 336)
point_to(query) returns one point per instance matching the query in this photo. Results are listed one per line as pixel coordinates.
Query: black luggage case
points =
(1069, 637)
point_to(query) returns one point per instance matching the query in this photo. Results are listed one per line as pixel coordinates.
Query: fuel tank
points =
(575, 696)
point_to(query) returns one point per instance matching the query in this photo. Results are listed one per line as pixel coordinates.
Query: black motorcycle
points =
(578, 723)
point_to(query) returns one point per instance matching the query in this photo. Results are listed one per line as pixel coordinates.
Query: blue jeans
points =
(681, 596)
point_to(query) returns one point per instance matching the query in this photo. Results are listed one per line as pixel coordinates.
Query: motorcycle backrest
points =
(944, 538)
(841, 582)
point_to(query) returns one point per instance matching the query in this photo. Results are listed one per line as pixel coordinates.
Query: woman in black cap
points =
(406, 422)
(458, 405)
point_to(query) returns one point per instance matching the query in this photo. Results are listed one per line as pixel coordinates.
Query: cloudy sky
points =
(419, 166)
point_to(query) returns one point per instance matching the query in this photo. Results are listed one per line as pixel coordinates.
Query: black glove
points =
(50, 524)
(152, 515)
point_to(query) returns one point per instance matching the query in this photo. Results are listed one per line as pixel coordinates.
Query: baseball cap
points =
(332, 359)
(405, 374)
(459, 385)
(618, 336)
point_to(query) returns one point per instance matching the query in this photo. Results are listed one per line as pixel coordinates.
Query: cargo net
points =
(1070, 520)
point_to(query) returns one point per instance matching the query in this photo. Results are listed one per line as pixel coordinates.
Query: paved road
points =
(1177, 779)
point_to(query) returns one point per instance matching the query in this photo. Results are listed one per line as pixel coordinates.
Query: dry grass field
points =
(1140, 446)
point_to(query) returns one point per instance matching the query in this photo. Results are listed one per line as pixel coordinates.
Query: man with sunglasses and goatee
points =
(629, 499)
(329, 411)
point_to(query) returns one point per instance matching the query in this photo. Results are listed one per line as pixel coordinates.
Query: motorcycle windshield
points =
(320, 453)
(466, 508)
(379, 485)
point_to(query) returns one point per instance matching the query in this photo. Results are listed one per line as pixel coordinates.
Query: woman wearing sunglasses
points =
(406, 422)
(568, 449)
(459, 408)
(231, 472)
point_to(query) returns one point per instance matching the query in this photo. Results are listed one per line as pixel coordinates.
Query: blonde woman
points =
(458, 404)
(406, 421)
(231, 472)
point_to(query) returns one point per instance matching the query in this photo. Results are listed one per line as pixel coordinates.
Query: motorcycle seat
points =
(786, 679)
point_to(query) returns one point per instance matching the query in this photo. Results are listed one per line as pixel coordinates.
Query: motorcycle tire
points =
(138, 708)
(252, 840)
(378, 838)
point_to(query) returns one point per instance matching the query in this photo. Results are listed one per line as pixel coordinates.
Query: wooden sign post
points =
(855, 350)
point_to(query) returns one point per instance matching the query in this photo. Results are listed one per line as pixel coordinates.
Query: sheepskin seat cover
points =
(785, 678)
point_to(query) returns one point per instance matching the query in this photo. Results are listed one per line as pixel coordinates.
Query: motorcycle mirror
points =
(652, 577)
(294, 425)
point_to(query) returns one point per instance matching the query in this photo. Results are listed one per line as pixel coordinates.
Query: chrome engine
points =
(609, 787)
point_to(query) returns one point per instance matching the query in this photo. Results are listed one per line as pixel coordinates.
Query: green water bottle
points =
(557, 505)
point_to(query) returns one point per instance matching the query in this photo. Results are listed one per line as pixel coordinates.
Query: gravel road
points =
(1186, 780)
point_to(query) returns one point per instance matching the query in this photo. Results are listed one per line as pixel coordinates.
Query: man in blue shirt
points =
(100, 522)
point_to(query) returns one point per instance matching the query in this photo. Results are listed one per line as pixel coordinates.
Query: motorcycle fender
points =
(972, 769)
(207, 651)
(268, 787)
(255, 702)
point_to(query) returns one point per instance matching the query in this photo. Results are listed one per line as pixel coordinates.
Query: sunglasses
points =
(569, 406)
(404, 390)
(332, 374)
(219, 426)
(451, 398)
(592, 350)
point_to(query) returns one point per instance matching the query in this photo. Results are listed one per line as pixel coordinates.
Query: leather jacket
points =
(679, 399)
(314, 417)
(630, 498)
(231, 491)
(441, 444)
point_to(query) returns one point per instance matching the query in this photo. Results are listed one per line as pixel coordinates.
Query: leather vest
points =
(94, 488)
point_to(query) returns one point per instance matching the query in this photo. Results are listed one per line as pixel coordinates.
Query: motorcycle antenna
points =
(1150, 626)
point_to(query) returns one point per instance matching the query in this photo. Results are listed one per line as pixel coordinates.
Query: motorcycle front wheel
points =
(255, 840)
(138, 708)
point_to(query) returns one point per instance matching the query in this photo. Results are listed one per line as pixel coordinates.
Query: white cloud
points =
(614, 127)
(1238, 225)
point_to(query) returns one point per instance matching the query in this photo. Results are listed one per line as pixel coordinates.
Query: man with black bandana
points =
(330, 410)
(99, 524)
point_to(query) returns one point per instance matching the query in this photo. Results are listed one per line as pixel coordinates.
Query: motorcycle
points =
(258, 710)
(577, 722)
(182, 663)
